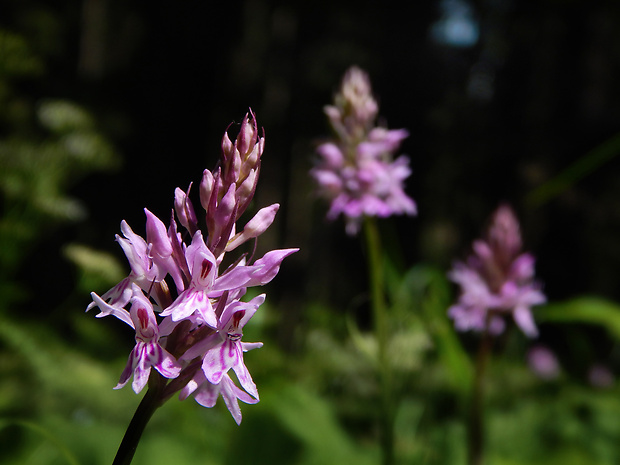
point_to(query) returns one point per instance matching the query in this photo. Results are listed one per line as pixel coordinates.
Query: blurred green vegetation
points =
(316, 372)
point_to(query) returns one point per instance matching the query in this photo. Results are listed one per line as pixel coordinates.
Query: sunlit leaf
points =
(63, 116)
(98, 269)
(589, 310)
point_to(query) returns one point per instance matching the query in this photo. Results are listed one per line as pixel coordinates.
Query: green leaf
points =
(311, 420)
(48, 436)
(589, 310)
(63, 116)
(98, 270)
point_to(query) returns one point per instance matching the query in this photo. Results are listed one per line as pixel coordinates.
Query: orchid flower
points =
(186, 310)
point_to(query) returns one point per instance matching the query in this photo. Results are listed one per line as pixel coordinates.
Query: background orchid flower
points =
(355, 171)
(497, 279)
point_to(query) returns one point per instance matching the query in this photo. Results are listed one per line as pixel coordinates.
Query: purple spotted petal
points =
(220, 359)
(192, 301)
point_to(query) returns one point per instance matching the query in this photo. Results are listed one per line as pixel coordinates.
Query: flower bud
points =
(206, 187)
(255, 227)
(504, 235)
(227, 145)
(356, 98)
(247, 135)
(185, 210)
(245, 191)
(220, 218)
(157, 235)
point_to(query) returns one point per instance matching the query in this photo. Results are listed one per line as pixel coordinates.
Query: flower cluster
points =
(356, 171)
(183, 303)
(497, 279)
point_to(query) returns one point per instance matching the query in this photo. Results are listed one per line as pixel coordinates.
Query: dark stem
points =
(150, 402)
(380, 316)
(476, 425)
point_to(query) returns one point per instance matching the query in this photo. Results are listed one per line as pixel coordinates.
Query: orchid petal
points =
(107, 309)
(525, 321)
(157, 234)
(219, 360)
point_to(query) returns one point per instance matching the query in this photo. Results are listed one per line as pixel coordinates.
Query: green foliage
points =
(424, 291)
(56, 402)
(46, 147)
(589, 310)
(555, 425)
(36, 172)
(47, 452)
(293, 425)
(96, 269)
(17, 58)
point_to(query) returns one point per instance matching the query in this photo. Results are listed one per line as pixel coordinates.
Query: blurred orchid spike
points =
(356, 171)
(497, 279)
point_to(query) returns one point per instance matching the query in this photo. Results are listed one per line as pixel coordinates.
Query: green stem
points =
(380, 316)
(476, 425)
(150, 402)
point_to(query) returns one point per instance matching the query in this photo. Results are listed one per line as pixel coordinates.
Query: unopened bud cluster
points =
(497, 280)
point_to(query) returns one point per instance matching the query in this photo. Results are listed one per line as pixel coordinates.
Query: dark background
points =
(490, 121)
